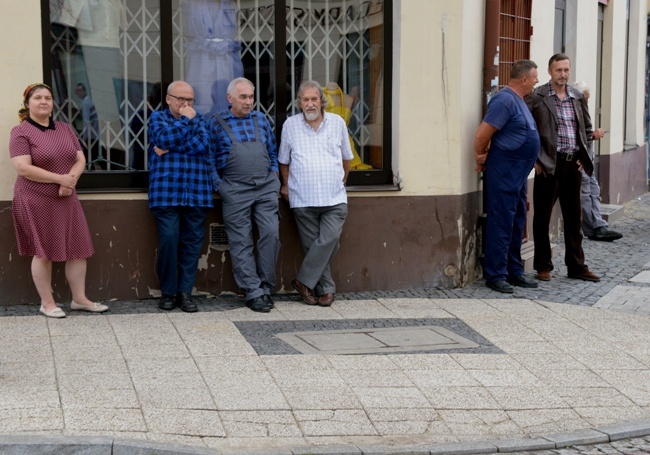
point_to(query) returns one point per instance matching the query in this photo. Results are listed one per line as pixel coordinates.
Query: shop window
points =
(110, 61)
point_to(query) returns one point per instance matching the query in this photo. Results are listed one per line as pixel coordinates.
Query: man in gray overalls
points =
(247, 163)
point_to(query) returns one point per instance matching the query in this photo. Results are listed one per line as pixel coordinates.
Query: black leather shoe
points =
(500, 286)
(259, 305)
(268, 300)
(522, 281)
(185, 302)
(605, 234)
(166, 302)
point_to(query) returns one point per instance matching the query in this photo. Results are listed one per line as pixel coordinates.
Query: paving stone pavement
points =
(553, 369)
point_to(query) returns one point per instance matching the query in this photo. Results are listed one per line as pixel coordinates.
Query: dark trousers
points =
(181, 231)
(564, 185)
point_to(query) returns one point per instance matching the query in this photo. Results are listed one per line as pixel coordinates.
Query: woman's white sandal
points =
(56, 313)
(94, 308)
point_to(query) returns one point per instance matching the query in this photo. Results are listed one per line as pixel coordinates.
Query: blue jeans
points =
(181, 231)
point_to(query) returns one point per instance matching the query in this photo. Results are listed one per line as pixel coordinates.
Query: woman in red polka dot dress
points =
(49, 221)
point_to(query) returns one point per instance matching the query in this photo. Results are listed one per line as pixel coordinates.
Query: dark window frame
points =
(137, 181)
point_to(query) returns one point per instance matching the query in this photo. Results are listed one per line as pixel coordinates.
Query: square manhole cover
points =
(375, 341)
(364, 336)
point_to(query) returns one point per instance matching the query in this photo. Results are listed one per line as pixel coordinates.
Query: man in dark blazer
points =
(565, 133)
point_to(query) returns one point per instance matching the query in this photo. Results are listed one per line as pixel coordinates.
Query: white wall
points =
(613, 79)
(438, 95)
(20, 65)
(541, 42)
(634, 133)
(584, 61)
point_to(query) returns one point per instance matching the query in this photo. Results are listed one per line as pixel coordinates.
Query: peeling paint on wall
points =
(203, 261)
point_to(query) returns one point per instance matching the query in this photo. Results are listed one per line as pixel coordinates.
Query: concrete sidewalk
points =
(429, 372)
(196, 379)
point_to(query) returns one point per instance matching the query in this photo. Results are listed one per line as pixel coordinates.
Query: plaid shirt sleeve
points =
(217, 159)
(271, 145)
(182, 135)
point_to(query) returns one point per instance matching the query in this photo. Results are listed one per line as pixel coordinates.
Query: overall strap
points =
(226, 128)
(258, 135)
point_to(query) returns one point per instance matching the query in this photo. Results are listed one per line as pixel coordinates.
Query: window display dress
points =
(47, 225)
(212, 52)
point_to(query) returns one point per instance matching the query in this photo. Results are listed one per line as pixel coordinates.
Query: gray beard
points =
(311, 116)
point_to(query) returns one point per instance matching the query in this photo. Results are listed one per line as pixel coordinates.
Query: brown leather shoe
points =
(326, 299)
(306, 294)
(585, 275)
(544, 275)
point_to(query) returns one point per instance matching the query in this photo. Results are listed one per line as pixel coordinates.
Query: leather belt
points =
(566, 156)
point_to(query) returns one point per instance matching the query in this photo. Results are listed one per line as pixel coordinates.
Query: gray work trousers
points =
(241, 203)
(591, 217)
(320, 229)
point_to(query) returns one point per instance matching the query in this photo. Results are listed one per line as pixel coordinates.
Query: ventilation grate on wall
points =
(218, 237)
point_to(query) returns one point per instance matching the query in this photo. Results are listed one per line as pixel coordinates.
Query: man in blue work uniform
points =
(247, 162)
(509, 132)
(180, 193)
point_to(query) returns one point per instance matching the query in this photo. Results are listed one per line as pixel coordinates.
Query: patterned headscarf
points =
(30, 88)
(23, 112)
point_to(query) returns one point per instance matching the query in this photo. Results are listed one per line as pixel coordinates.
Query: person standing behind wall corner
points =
(180, 193)
(247, 162)
(314, 158)
(565, 133)
(506, 147)
(594, 227)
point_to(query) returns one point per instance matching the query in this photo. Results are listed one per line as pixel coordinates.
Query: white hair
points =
(232, 87)
(582, 86)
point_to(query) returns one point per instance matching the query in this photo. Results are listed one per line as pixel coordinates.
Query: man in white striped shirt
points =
(314, 159)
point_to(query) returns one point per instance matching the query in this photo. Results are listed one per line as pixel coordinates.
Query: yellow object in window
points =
(338, 106)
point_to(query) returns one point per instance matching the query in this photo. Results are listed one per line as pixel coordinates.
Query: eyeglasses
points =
(182, 100)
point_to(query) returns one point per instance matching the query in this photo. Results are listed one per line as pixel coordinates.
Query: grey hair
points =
(233, 85)
(522, 68)
(312, 84)
(582, 86)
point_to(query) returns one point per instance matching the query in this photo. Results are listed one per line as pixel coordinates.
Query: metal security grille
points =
(514, 36)
(120, 41)
(257, 37)
(330, 41)
(126, 51)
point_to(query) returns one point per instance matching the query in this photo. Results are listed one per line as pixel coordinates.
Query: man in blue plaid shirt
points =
(181, 178)
(247, 162)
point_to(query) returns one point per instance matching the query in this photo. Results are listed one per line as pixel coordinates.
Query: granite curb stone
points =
(18, 444)
(381, 449)
(463, 448)
(143, 447)
(103, 445)
(519, 445)
(626, 430)
(333, 449)
(579, 437)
